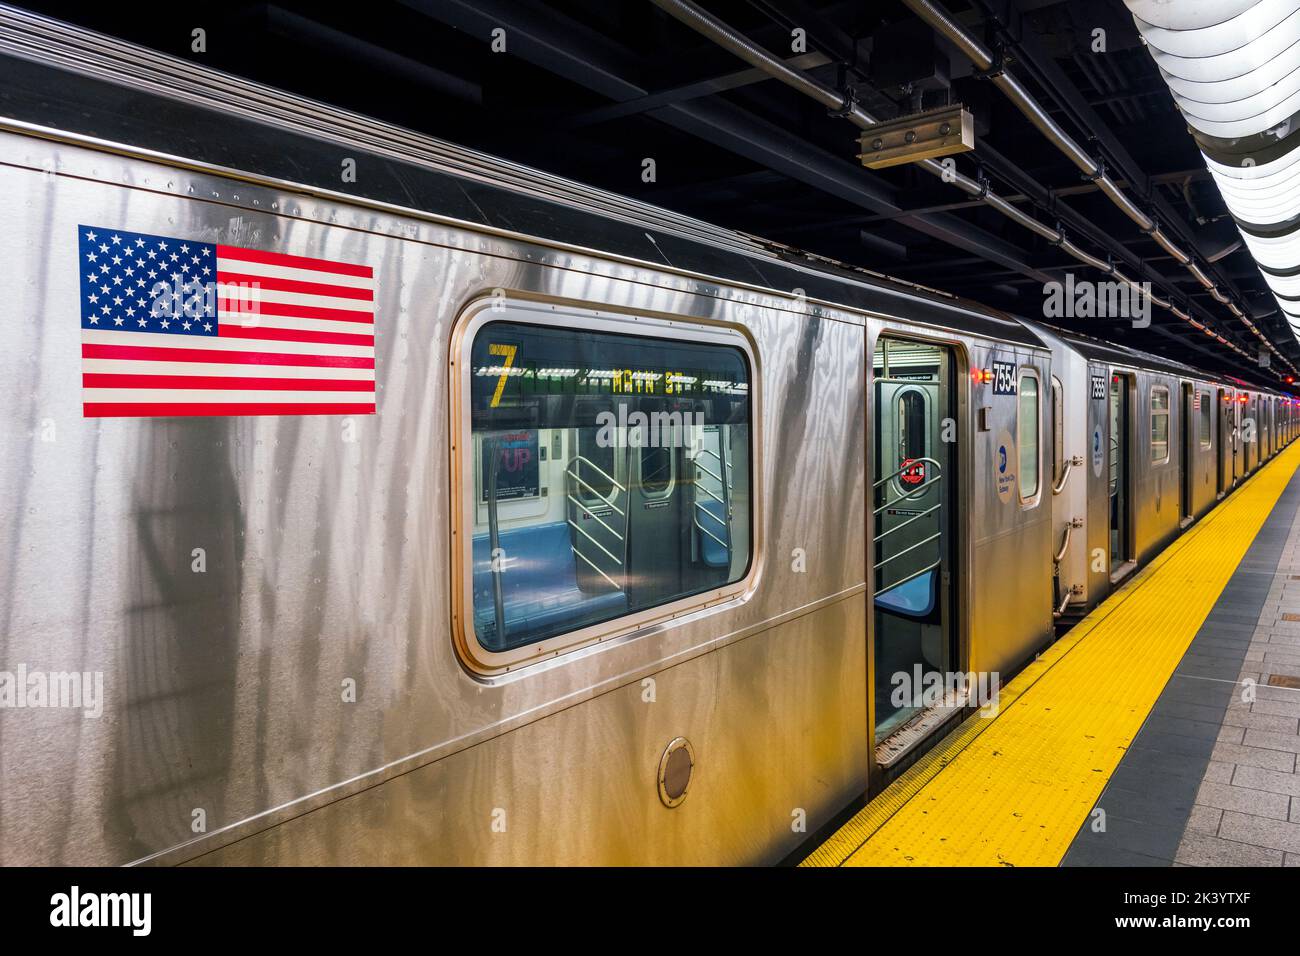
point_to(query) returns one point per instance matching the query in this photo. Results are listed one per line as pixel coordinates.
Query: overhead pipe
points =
(940, 21)
(730, 39)
(735, 42)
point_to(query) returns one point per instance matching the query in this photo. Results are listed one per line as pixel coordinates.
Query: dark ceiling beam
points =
(693, 189)
(338, 45)
(774, 147)
(690, 91)
(570, 50)
(796, 13)
(1020, 198)
(1133, 93)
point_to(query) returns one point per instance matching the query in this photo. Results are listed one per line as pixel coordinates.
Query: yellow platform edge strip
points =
(1014, 790)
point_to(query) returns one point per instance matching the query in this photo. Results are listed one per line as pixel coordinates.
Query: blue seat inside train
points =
(543, 597)
(914, 599)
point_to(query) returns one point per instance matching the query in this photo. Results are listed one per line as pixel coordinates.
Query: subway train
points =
(456, 513)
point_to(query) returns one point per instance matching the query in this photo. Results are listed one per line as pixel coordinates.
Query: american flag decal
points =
(175, 327)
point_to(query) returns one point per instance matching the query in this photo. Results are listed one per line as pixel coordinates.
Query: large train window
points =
(1206, 422)
(611, 476)
(1159, 423)
(1028, 429)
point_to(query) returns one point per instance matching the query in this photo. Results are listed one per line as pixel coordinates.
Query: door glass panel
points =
(656, 470)
(599, 480)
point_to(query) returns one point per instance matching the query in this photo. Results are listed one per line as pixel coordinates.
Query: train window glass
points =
(1206, 421)
(1058, 428)
(1028, 426)
(650, 505)
(656, 470)
(1159, 423)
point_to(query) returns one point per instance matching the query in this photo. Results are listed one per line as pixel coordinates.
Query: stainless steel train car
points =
(600, 536)
(1143, 446)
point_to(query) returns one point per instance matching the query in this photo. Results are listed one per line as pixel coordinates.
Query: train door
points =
(1271, 445)
(1238, 453)
(1223, 438)
(1121, 421)
(670, 492)
(912, 504)
(1246, 430)
(1187, 452)
(1266, 427)
(658, 519)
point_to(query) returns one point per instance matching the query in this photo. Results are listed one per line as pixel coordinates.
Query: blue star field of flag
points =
(135, 282)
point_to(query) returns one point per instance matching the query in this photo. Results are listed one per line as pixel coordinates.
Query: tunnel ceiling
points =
(591, 90)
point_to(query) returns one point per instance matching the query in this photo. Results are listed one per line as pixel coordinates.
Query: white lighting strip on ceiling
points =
(1233, 67)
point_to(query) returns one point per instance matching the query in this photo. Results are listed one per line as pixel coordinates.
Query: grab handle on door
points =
(1065, 475)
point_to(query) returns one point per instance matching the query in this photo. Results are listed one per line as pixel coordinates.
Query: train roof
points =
(1136, 358)
(1116, 354)
(64, 80)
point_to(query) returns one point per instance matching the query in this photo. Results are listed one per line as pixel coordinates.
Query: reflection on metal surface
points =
(327, 561)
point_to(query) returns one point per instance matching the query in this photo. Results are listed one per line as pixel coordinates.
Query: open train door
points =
(912, 503)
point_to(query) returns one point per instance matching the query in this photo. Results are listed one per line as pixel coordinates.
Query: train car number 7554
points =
(1004, 378)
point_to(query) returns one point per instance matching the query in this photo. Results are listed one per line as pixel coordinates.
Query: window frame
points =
(517, 308)
(1152, 412)
(1032, 500)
